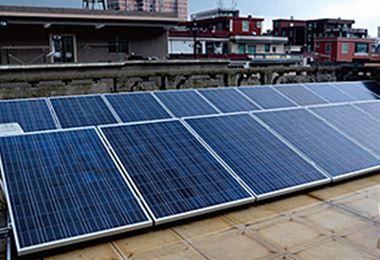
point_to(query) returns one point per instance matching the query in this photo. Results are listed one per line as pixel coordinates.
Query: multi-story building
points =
(31, 35)
(223, 33)
(179, 7)
(295, 30)
(346, 50)
(322, 28)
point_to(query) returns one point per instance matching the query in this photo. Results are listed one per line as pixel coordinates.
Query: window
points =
(317, 45)
(344, 48)
(251, 49)
(210, 48)
(119, 45)
(242, 48)
(361, 48)
(259, 24)
(267, 47)
(328, 48)
(245, 26)
(274, 49)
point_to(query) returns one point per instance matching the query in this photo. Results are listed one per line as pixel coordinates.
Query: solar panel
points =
(357, 90)
(371, 108)
(329, 92)
(336, 154)
(175, 174)
(228, 100)
(136, 107)
(63, 187)
(81, 111)
(31, 114)
(185, 103)
(267, 97)
(355, 123)
(258, 157)
(301, 95)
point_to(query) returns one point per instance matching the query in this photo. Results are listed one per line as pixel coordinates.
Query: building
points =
(32, 35)
(338, 28)
(346, 50)
(294, 30)
(223, 33)
(155, 6)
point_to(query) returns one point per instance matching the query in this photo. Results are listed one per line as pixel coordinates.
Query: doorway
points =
(63, 48)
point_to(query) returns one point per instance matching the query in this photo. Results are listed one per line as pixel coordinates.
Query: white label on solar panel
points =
(9, 129)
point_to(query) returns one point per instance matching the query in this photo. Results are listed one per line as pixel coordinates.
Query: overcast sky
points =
(365, 12)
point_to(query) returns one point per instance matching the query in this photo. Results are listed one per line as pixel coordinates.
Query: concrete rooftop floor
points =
(335, 222)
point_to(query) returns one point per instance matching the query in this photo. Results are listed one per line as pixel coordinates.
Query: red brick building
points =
(295, 30)
(345, 50)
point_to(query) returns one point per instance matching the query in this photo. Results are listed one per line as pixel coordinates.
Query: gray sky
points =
(365, 12)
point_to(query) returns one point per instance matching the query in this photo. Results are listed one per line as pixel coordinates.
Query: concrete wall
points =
(92, 45)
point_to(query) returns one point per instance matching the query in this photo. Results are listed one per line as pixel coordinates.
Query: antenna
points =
(220, 4)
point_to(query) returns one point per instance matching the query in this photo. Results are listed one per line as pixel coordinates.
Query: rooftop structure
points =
(215, 13)
(51, 35)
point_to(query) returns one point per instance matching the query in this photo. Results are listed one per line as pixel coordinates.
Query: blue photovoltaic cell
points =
(174, 173)
(371, 108)
(228, 100)
(259, 158)
(63, 185)
(31, 114)
(185, 103)
(335, 153)
(267, 97)
(301, 95)
(137, 107)
(355, 123)
(329, 92)
(357, 90)
(82, 111)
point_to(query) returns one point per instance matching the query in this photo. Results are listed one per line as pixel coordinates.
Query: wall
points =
(92, 45)
(253, 26)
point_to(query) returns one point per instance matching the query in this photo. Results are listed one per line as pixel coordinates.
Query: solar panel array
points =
(31, 114)
(163, 156)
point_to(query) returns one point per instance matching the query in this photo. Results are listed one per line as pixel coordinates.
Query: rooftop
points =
(337, 222)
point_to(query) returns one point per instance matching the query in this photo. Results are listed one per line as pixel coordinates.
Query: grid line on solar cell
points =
(354, 123)
(357, 90)
(329, 92)
(300, 95)
(137, 107)
(31, 114)
(259, 158)
(172, 170)
(372, 109)
(228, 100)
(336, 154)
(267, 97)
(185, 103)
(62, 187)
(82, 111)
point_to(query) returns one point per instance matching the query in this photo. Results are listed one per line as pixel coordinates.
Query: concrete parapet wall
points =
(53, 80)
